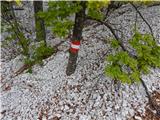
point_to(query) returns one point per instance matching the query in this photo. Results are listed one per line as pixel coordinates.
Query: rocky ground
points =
(48, 94)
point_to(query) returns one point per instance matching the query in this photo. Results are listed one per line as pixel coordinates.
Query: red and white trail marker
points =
(75, 46)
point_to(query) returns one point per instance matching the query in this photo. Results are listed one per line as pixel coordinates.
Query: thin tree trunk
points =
(77, 36)
(39, 23)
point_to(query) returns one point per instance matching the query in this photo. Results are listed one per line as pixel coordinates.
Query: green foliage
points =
(128, 69)
(62, 28)
(17, 37)
(95, 12)
(117, 62)
(148, 51)
(58, 16)
(59, 13)
(94, 9)
(41, 53)
(114, 43)
(12, 26)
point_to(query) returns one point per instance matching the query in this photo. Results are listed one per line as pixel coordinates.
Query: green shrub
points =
(42, 52)
(121, 66)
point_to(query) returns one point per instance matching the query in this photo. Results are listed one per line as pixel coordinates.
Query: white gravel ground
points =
(85, 95)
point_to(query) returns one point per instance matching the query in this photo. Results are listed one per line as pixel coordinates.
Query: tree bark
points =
(39, 23)
(77, 36)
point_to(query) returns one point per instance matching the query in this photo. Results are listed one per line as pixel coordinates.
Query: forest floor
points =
(48, 94)
(149, 114)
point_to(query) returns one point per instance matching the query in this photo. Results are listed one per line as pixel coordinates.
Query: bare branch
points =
(150, 28)
(114, 34)
(14, 9)
(111, 29)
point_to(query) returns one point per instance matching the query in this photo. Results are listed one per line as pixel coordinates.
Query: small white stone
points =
(58, 115)
(94, 96)
(83, 117)
(66, 107)
(138, 118)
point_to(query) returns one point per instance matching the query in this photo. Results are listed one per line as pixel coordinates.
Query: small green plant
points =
(42, 52)
(38, 54)
(128, 69)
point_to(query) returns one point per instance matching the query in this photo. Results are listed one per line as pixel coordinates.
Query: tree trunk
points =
(76, 37)
(39, 23)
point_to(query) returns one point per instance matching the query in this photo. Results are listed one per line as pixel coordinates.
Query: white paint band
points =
(75, 46)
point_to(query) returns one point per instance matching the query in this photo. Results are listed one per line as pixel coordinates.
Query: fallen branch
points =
(23, 68)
